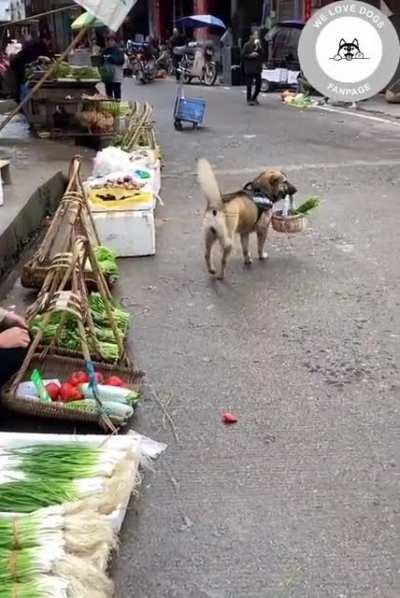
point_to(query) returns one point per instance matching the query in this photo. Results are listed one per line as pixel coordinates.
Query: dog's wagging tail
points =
(209, 185)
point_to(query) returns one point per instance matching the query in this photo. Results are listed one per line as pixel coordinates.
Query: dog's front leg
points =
(291, 200)
(262, 233)
(244, 238)
(210, 240)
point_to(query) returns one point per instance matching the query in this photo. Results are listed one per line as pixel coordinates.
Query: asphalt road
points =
(300, 498)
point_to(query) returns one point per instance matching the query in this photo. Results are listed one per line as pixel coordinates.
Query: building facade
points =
(241, 15)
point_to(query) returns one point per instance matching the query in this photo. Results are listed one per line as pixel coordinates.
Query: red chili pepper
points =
(229, 418)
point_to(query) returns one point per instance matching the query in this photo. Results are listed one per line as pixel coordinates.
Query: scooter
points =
(197, 62)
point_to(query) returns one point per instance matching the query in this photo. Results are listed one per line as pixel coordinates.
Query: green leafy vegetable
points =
(308, 206)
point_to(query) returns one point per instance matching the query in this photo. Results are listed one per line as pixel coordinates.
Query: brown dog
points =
(238, 213)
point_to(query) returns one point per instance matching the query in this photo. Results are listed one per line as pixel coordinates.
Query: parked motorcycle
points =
(197, 62)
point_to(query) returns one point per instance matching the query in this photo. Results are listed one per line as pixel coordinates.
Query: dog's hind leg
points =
(226, 247)
(244, 238)
(210, 240)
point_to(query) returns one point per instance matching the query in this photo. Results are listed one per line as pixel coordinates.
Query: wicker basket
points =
(294, 223)
(33, 276)
(55, 366)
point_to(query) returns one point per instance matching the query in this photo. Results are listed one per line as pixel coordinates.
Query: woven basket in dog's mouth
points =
(294, 223)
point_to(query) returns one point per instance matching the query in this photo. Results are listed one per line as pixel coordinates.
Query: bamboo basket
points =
(64, 291)
(73, 213)
(56, 366)
(295, 223)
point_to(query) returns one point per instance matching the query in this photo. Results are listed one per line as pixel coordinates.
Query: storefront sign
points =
(349, 51)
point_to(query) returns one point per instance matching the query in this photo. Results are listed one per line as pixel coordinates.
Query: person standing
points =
(113, 68)
(252, 58)
(177, 40)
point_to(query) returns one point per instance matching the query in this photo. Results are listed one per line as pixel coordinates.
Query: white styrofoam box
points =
(130, 233)
(281, 76)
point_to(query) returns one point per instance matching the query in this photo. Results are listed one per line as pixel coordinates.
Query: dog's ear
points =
(342, 42)
(355, 43)
(274, 177)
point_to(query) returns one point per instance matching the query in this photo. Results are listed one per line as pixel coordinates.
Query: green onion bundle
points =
(69, 338)
(43, 586)
(64, 461)
(28, 494)
(80, 532)
(28, 563)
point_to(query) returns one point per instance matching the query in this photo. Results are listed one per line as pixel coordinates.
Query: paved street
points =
(300, 499)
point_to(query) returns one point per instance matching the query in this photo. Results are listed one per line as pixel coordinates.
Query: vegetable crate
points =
(189, 110)
(60, 367)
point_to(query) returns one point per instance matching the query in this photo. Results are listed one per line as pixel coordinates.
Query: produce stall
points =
(68, 105)
(77, 367)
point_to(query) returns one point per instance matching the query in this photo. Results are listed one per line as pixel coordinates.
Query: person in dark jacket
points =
(31, 51)
(177, 40)
(252, 58)
(113, 68)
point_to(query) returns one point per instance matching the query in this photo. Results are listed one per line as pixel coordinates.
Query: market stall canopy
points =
(111, 13)
(86, 20)
(198, 21)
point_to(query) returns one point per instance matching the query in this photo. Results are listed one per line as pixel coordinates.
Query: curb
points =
(26, 223)
(7, 106)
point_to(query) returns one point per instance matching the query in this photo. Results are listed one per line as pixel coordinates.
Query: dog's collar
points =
(259, 197)
(255, 194)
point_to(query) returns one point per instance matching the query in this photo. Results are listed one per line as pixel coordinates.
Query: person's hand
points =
(14, 338)
(254, 54)
(13, 319)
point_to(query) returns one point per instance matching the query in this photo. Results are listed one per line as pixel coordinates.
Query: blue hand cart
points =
(190, 110)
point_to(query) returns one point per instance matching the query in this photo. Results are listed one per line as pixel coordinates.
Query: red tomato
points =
(53, 391)
(229, 418)
(99, 378)
(69, 393)
(78, 378)
(115, 381)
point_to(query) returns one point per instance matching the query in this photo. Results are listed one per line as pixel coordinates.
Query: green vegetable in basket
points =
(109, 351)
(62, 70)
(111, 393)
(84, 72)
(113, 409)
(107, 262)
(308, 206)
